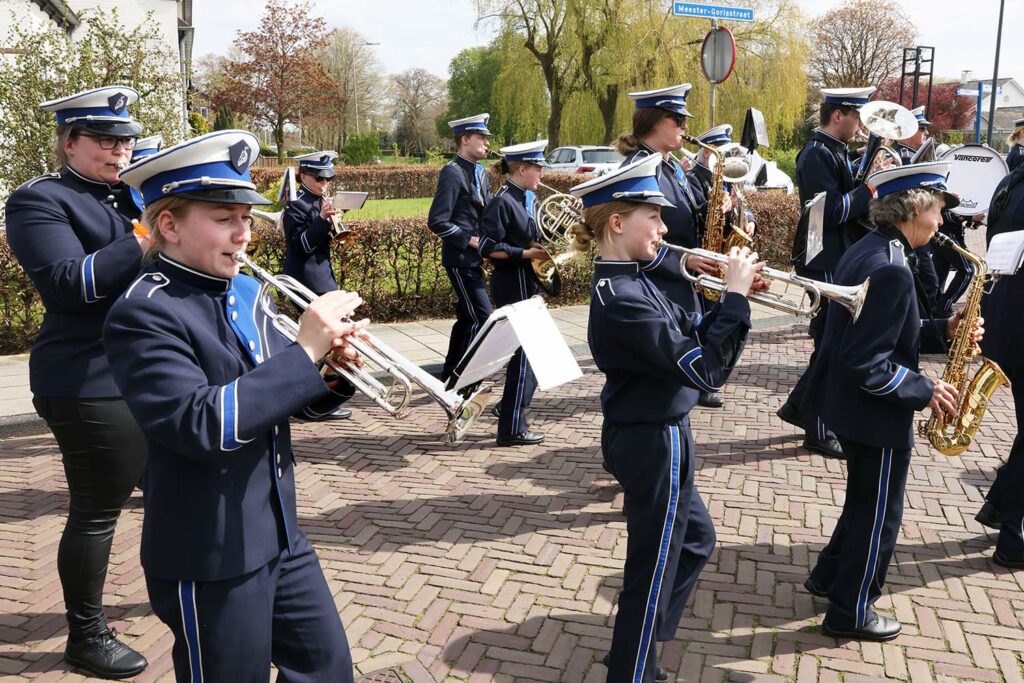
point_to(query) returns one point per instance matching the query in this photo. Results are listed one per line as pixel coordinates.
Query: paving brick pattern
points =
(485, 564)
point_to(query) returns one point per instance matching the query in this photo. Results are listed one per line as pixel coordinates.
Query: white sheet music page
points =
(491, 349)
(550, 357)
(815, 228)
(1005, 253)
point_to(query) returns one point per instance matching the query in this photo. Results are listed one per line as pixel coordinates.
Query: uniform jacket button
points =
(234, 315)
(252, 345)
(231, 300)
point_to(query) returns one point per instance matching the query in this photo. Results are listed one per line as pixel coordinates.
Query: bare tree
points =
(351, 62)
(860, 43)
(417, 98)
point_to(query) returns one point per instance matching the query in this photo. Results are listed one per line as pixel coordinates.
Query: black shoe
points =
(830, 448)
(660, 675)
(1008, 562)
(814, 589)
(789, 413)
(988, 516)
(527, 438)
(710, 400)
(879, 628)
(340, 414)
(496, 410)
(105, 656)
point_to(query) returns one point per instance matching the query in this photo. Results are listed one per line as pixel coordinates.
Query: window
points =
(602, 156)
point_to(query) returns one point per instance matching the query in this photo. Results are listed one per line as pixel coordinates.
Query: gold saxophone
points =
(974, 394)
(715, 238)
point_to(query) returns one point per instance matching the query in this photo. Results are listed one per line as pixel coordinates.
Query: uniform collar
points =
(650, 150)
(179, 272)
(96, 185)
(313, 195)
(830, 140)
(465, 163)
(516, 191)
(609, 268)
(893, 234)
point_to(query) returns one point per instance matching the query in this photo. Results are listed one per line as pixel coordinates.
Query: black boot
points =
(105, 656)
(708, 399)
(988, 516)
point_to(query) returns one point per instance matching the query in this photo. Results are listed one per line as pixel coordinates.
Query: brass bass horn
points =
(883, 121)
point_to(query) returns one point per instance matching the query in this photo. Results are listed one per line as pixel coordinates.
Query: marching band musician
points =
(717, 137)
(308, 231)
(71, 231)
(463, 191)
(144, 147)
(507, 229)
(823, 165)
(1016, 141)
(307, 224)
(935, 262)
(659, 123)
(212, 384)
(868, 384)
(656, 356)
(1003, 307)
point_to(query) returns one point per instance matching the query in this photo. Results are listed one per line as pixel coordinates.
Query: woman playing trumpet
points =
(212, 384)
(657, 357)
(71, 231)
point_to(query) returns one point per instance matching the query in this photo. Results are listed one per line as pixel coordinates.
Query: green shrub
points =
(361, 149)
(776, 216)
(197, 124)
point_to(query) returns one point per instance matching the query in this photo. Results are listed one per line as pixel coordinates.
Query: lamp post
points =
(355, 94)
(995, 77)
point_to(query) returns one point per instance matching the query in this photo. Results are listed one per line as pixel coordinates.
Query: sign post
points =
(717, 58)
(980, 94)
(718, 53)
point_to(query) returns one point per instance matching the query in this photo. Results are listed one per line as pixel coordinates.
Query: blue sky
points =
(428, 33)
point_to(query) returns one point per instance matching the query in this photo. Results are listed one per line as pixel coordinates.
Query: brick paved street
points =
(486, 564)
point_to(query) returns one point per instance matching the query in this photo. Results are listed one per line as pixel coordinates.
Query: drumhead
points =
(974, 173)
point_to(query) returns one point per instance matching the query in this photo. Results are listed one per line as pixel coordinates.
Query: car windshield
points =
(601, 156)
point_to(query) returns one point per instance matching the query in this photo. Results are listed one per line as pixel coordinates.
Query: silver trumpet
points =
(851, 298)
(462, 407)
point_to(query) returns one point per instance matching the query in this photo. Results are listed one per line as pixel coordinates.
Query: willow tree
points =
(519, 101)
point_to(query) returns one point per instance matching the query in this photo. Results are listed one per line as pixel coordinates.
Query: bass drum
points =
(974, 173)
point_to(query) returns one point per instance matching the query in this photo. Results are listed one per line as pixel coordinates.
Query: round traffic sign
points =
(718, 54)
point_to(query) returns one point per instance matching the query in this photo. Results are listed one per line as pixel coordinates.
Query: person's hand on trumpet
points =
(741, 271)
(327, 208)
(325, 326)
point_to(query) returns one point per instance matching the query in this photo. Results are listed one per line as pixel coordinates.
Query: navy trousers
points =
(509, 285)
(670, 538)
(1006, 490)
(472, 307)
(232, 630)
(854, 563)
(814, 426)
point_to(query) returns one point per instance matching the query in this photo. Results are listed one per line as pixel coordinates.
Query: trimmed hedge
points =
(400, 182)
(394, 264)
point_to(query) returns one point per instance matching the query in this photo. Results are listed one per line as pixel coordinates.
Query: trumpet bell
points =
(274, 218)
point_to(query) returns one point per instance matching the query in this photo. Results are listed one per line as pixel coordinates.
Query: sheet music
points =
(527, 324)
(815, 227)
(1005, 253)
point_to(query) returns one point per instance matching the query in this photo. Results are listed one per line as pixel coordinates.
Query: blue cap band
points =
(80, 113)
(925, 181)
(606, 194)
(846, 101)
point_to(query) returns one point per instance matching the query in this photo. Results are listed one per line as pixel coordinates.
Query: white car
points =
(593, 159)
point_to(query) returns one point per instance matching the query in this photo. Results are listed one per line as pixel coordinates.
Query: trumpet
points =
(851, 298)
(462, 407)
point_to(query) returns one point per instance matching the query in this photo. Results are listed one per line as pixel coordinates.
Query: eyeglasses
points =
(678, 118)
(110, 141)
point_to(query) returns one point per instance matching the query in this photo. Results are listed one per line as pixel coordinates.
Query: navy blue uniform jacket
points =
(1015, 156)
(685, 222)
(1003, 308)
(73, 236)
(307, 256)
(211, 384)
(823, 165)
(507, 225)
(656, 356)
(459, 200)
(867, 381)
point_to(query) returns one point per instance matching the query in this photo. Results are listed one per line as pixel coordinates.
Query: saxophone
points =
(974, 394)
(715, 238)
